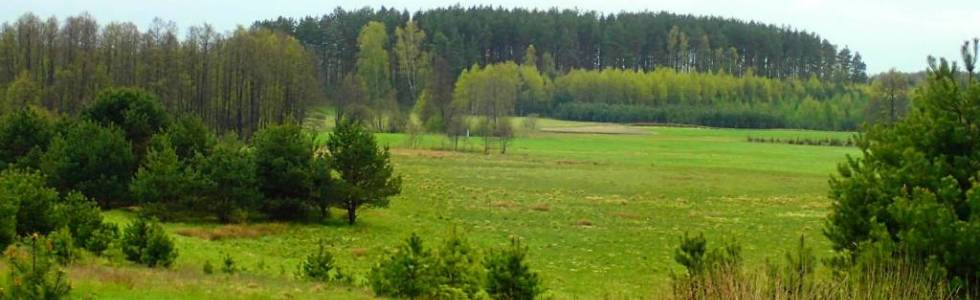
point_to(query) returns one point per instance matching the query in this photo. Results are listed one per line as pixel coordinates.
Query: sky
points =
(888, 33)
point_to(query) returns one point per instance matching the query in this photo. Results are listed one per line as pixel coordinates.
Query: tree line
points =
(573, 39)
(234, 81)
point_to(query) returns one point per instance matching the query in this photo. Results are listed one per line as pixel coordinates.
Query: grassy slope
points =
(638, 192)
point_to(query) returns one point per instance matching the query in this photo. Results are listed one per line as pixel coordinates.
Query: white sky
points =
(893, 33)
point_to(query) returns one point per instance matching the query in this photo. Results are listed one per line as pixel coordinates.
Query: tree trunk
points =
(351, 213)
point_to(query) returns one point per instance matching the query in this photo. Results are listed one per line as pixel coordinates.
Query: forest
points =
(583, 66)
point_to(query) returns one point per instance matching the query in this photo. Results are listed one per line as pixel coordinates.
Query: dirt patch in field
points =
(627, 215)
(576, 162)
(423, 153)
(599, 129)
(233, 231)
(504, 204)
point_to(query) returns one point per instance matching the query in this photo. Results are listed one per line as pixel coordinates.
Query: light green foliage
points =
(145, 242)
(509, 276)
(373, 71)
(366, 176)
(94, 160)
(22, 93)
(491, 94)
(720, 99)
(412, 58)
(34, 273)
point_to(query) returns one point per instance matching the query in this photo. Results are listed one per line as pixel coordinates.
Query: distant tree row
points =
(235, 81)
(573, 39)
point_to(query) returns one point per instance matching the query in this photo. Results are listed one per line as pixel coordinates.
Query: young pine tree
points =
(366, 174)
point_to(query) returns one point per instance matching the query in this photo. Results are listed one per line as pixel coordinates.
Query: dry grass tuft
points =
(627, 215)
(358, 252)
(234, 231)
(504, 204)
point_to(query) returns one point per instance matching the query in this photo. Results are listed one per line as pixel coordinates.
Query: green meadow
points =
(601, 207)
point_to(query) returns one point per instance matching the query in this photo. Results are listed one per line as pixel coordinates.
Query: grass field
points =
(601, 213)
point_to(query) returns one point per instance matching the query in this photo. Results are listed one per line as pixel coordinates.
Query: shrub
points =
(509, 276)
(190, 136)
(34, 273)
(208, 268)
(35, 202)
(62, 246)
(230, 183)
(319, 265)
(94, 160)
(139, 114)
(690, 254)
(282, 158)
(228, 265)
(404, 272)
(458, 266)
(24, 136)
(83, 220)
(145, 242)
(164, 184)
(366, 175)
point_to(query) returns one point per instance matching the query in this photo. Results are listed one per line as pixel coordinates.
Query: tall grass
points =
(898, 281)
(868, 277)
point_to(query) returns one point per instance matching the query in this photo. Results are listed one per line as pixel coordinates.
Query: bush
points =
(228, 265)
(230, 183)
(458, 266)
(135, 111)
(145, 242)
(34, 273)
(404, 272)
(83, 219)
(34, 201)
(509, 276)
(24, 136)
(319, 265)
(208, 268)
(94, 160)
(164, 185)
(282, 157)
(62, 246)
(916, 187)
(190, 136)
